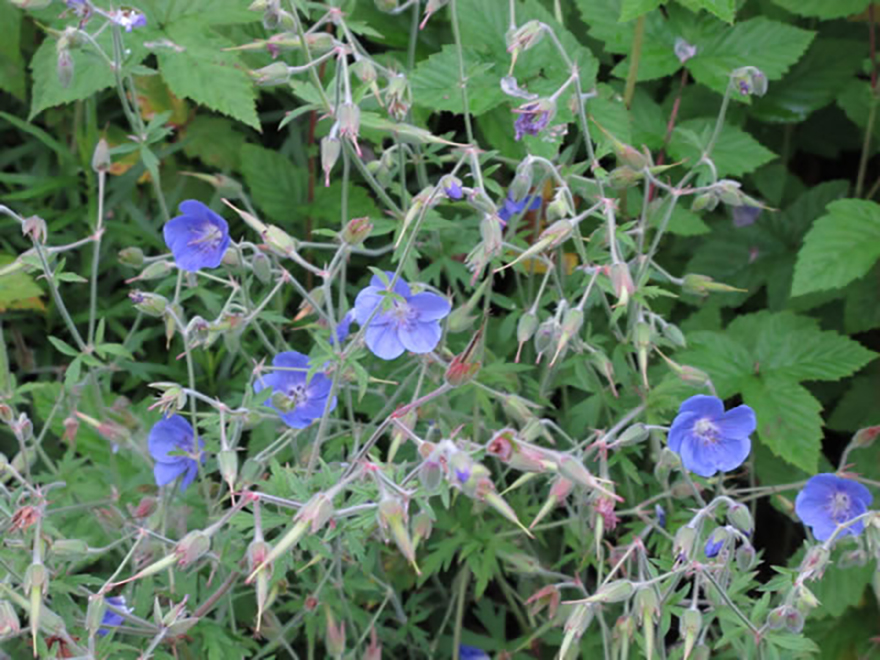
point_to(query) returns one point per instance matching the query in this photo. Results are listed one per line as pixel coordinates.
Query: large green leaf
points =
(789, 422)
(841, 247)
(200, 70)
(435, 82)
(630, 9)
(723, 9)
(208, 12)
(771, 46)
(736, 152)
(12, 77)
(277, 186)
(824, 9)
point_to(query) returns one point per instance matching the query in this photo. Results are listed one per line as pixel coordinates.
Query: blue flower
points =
(344, 326)
(411, 322)
(111, 618)
(305, 399)
(174, 434)
(511, 207)
(452, 187)
(198, 237)
(533, 117)
(711, 440)
(466, 652)
(714, 544)
(828, 500)
(661, 515)
(129, 19)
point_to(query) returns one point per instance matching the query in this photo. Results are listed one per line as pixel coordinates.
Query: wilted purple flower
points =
(466, 652)
(169, 439)
(129, 19)
(745, 215)
(197, 238)
(683, 50)
(113, 619)
(409, 322)
(299, 401)
(828, 501)
(533, 117)
(511, 207)
(709, 439)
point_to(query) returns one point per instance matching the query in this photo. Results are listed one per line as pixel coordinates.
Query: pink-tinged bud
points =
(35, 229)
(9, 623)
(814, 562)
(392, 518)
(622, 282)
(277, 73)
(192, 547)
(64, 66)
(145, 508)
(575, 626)
(691, 623)
(335, 639)
(349, 119)
(547, 597)
(865, 437)
(357, 231)
(22, 428)
(464, 367)
(6, 414)
(501, 446)
(523, 38)
(71, 427)
(374, 650)
(330, 150)
(559, 491)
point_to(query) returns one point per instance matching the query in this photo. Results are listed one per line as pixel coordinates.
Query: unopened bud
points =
(151, 304)
(155, 271)
(794, 621)
(740, 517)
(349, 118)
(70, 548)
(277, 73)
(335, 639)
(356, 231)
(34, 228)
(674, 335)
(814, 562)
(280, 241)
(262, 266)
(865, 437)
(227, 459)
(705, 201)
(64, 67)
(101, 161)
(683, 544)
(9, 622)
(330, 150)
(776, 617)
(524, 37)
(615, 591)
(622, 282)
(691, 623)
(745, 557)
(95, 612)
(633, 435)
(192, 547)
(131, 256)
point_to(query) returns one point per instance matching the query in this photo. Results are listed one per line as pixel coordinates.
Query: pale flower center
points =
(297, 395)
(402, 313)
(839, 505)
(208, 237)
(706, 430)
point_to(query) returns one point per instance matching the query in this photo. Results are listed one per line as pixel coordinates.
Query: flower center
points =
(208, 237)
(297, 395)
(706, 430)
(839, 506)
(401, 312)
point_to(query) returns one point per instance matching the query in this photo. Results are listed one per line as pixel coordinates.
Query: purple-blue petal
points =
(401, 288)
(184, 233)
(814, 505)
(466, 652)
(681, 427)
(192, 469)
(739, 422)
(430, 306)
(704, 406)
(170, 434)
(383, 341)
(420, 337)
(165, 473)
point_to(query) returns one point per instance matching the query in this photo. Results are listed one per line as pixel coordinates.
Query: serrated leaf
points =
(209, 12)
(725, 360)
(735, 153)
(771, 46)
(841, 247)
(630, 9)
(215, 141)
(723, 9)
(814, 82)
(204, 73)
(435, 82)
(277, 186)
(824, 9)
(789, 422)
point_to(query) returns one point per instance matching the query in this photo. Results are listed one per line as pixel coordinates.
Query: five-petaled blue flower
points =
(708, 439)
(828, 501)
(303, 400)
(466, 652)
(197, 238)
(511, 207)
(174, 435)
(411, 322)
(113, 619)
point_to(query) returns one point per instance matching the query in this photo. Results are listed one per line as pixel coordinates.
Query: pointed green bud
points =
(740, 517)
(151, 304)
(683, 544)
(277, 73)
(330, 150)
(70, 548)
(131, 256)
(633, 435)
(691, 623)
(705, 201)
(615, 591)
(9, 622)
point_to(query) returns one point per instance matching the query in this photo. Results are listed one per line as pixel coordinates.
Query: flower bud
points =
(547, 597)
(34, 228)
(704, 201)
(464, 367)
(571, 324)
(6, 414)
(622, 282)
(521, 185)
(615, 591)
(524, 37)
(279, 241)
(674, 336)
(398, 97)
(776, 617)
(155, 271)
(423, 526)
(633, 435)
(64, 66)
(691, 623)
(745, 557)
(740, 517)
(356, 231)
(151, 304)
(392, 517)
(749, 80)
(624, 177)
(349, 119)
(716, 541)
(335, 639)
(262, 266)
(70, 548)
(101, 161)
(575, 626)
(525, 330)
(22, 428)
(131, 256)
(683, 544)
(793, 621)
(192, 547)
(701, 285)
(865, 437)
(814, 562)
(95, 612)
(227, 459)
(9, 622)
(277, 73)
(559, 207)
(330, 150)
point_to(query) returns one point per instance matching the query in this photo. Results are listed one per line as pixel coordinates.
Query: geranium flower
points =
(298, 401)
(174, 434)
(710, 440)
(411, 322)
(129, 19)
(197, 238)
(828, 501)
(511, 207)
(113, 619)
(466, 652)
(533, 117)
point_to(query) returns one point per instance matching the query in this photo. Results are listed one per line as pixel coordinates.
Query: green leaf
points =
(435, 82)
(12, 72)
(630, 9)
(736, 152)
(723, 9)
(824, 9)
(215, 142)
(725, 360)
(841, 247)
(208, 12)
(789, 422)
(18, 289)
(771, 46)
(62, 346)
(201, 71)
(277, 186)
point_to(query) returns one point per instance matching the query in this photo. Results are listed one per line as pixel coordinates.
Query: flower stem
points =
(635, 57)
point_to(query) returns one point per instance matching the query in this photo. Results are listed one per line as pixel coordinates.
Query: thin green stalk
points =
(96, 258)
(635, 57)
(56, 296)
(461, 597)
(462, 80)
(866, 147)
